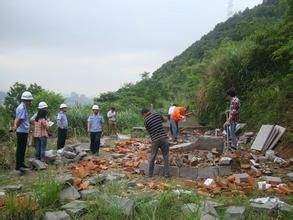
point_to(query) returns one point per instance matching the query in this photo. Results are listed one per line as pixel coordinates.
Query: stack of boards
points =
(267, 137)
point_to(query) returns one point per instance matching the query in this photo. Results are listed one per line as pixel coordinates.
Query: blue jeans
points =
(163, 144)
(231, 132)
(174, 127)
(40, 148)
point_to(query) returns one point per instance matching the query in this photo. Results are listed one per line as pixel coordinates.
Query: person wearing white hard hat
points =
(21, 126)
(95, 128)
(40, 134)
(62, 124)
(41, 105)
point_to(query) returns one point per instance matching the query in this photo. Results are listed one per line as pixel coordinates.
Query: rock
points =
(50, 156)
(270, 155)
(225, 161)
(58, 215)
(69, 194)
(284, 207)
(266, 204)
(11, 188)
(290, 176)
(69, 154)
(75, 208)
(89, 194)
(248, 134)
(189, 208)
(125, 204)
(38, 165)
(235, 213)
(64, 179)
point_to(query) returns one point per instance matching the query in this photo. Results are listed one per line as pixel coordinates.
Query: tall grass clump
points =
(16, 208)
(47, 194)
(77, 116)
(128, 119)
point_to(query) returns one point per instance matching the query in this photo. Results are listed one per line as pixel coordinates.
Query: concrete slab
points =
(188, 172)
(201, 143)
(272, 136)
(262, 137)
(280, 134)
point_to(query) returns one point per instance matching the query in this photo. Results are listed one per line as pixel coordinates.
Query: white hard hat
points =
(42, 105)
(26, 96)
(63, 106)
(95, 107)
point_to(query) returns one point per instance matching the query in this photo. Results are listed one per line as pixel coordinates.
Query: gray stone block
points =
(39, 165)
(89, 194)
(11, 188)
(188, 172)
(235, 213)
(189, 208)
(64, 179)
(58, 215)
(208, 172)
(224, 170)
(125, 204)
(75, 208)
(69, 194)
(174, 171)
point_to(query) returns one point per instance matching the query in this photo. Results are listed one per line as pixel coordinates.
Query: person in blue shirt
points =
(62, 125)
(21, 126)
(95, 128)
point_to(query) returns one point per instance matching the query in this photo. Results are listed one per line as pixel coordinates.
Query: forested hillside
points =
(251, 51)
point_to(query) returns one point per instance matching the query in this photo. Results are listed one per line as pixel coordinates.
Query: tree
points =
(13, 97)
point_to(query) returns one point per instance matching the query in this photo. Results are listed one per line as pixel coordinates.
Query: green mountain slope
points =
(251, 51)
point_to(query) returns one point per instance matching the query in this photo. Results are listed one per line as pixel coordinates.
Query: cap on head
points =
(26, 96)
(42, 105)
(95, 107)
(63, 105)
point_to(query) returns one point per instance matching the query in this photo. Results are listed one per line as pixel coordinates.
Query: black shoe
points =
(167, 176)
(25, 166)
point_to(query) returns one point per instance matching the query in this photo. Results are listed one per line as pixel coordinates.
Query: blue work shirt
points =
(95, 123)
(22, 114)
(63, 120)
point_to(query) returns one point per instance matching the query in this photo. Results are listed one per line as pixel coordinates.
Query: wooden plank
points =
(262, 136)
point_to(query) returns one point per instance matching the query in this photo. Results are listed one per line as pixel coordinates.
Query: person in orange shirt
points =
(178, 114)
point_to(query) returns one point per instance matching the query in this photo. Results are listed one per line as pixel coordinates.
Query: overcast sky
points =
(94, 46)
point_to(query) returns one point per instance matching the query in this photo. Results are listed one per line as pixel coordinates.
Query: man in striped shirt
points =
(153, 124)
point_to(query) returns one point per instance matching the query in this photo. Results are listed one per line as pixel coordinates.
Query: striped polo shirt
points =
(153, 124)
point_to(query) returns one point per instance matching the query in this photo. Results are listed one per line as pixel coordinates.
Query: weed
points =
(47, 193)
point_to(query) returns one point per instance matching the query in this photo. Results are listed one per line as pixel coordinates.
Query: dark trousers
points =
(163, 144)
(95, 141)
(20, 149)
(61, 137)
